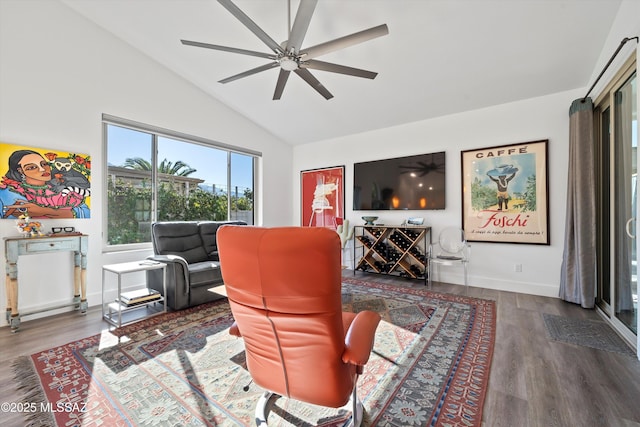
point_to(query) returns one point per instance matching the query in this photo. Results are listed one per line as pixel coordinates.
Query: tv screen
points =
(410, 183)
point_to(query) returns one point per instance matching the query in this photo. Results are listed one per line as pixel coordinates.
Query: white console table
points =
(18, 246)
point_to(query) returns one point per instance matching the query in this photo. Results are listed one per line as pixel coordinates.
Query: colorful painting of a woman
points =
(50, 185)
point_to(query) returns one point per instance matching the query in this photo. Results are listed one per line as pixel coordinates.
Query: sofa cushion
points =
(179, 238)
(204, 273)
(208, 230)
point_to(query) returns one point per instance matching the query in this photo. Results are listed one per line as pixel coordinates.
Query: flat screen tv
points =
(409, 183)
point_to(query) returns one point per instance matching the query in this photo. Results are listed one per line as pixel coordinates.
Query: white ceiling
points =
(440, 57)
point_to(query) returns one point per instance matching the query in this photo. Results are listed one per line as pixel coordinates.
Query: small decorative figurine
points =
(28, 227)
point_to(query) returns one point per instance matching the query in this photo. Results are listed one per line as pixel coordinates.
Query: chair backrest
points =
(178, 238)
(452, 240)
(208, 233)
(284, 289)
(195, 241)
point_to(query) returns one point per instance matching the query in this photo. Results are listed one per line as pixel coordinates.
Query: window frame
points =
(157, 132)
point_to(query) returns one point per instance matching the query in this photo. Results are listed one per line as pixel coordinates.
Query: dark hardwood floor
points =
(534, 382)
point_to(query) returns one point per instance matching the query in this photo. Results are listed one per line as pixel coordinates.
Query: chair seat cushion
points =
(450, 257)
(204, 273)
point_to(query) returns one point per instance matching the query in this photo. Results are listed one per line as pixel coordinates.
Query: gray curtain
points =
(578, 273)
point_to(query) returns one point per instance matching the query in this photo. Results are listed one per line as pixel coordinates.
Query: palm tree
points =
(178, 168)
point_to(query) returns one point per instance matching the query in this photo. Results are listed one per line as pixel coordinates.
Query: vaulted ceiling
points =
(440, 56)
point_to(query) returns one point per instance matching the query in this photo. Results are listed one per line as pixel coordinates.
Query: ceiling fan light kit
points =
(289, 56)
(288, 63)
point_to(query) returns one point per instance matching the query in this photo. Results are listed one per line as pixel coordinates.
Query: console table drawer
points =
(51, 245)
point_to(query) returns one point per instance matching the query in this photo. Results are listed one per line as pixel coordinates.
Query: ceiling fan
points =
(290, 56)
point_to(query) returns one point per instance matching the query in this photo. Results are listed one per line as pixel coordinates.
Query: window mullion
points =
(154, 178)
(228, 184)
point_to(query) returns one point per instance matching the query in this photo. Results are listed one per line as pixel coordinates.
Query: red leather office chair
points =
(284, 288)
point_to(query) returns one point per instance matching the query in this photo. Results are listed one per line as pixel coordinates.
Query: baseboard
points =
(530, 288)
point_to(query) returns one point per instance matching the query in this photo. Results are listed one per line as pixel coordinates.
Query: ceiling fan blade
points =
(335, 68)
(343, 42)
(282, 80)
(250, 72)
(301, 24)
(313, 82)
(229, 49)
(252, 26)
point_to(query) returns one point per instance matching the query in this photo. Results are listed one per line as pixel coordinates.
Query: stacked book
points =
(139, 296)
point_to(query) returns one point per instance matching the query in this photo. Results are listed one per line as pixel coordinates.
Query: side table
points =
(118, 313)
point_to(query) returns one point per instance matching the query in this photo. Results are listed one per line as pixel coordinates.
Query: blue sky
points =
(211, 165)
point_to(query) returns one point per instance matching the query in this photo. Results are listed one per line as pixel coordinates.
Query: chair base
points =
(261, 409)
(354, 405)
(357, 410)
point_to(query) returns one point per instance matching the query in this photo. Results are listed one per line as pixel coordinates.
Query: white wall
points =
(626, 24)
(492, 264)
(58, 74)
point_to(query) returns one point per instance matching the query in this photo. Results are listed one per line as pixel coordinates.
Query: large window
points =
(158, 175)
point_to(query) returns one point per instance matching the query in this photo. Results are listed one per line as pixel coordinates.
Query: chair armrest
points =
(168, 258)
(359, 338)
(433, 249)
(175, 259)
(234, 330)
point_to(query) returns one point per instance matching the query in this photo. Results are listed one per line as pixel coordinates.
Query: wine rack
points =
(398, 250)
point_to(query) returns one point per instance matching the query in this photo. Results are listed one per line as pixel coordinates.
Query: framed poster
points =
(322, 197)
(44, 183)
(505, 194)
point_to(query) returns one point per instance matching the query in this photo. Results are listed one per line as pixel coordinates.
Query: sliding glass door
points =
(617, 226)
(625, 179)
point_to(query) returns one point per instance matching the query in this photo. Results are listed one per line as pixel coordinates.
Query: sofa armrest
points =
(168, 258)
(177, 261)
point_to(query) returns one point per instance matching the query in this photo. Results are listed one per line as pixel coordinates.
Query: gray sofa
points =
(190, 251)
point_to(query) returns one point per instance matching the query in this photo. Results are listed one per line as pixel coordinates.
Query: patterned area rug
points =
(589, 333)
(429, 367)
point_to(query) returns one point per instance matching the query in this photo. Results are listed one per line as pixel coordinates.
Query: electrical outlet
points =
(517, 268)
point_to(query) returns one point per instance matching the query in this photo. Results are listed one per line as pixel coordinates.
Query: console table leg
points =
(80, 280)
(80, 289)
(13, 317)
(83, 291)
(76, 286)
(7, 287)
(83, 284)
(14, 321)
